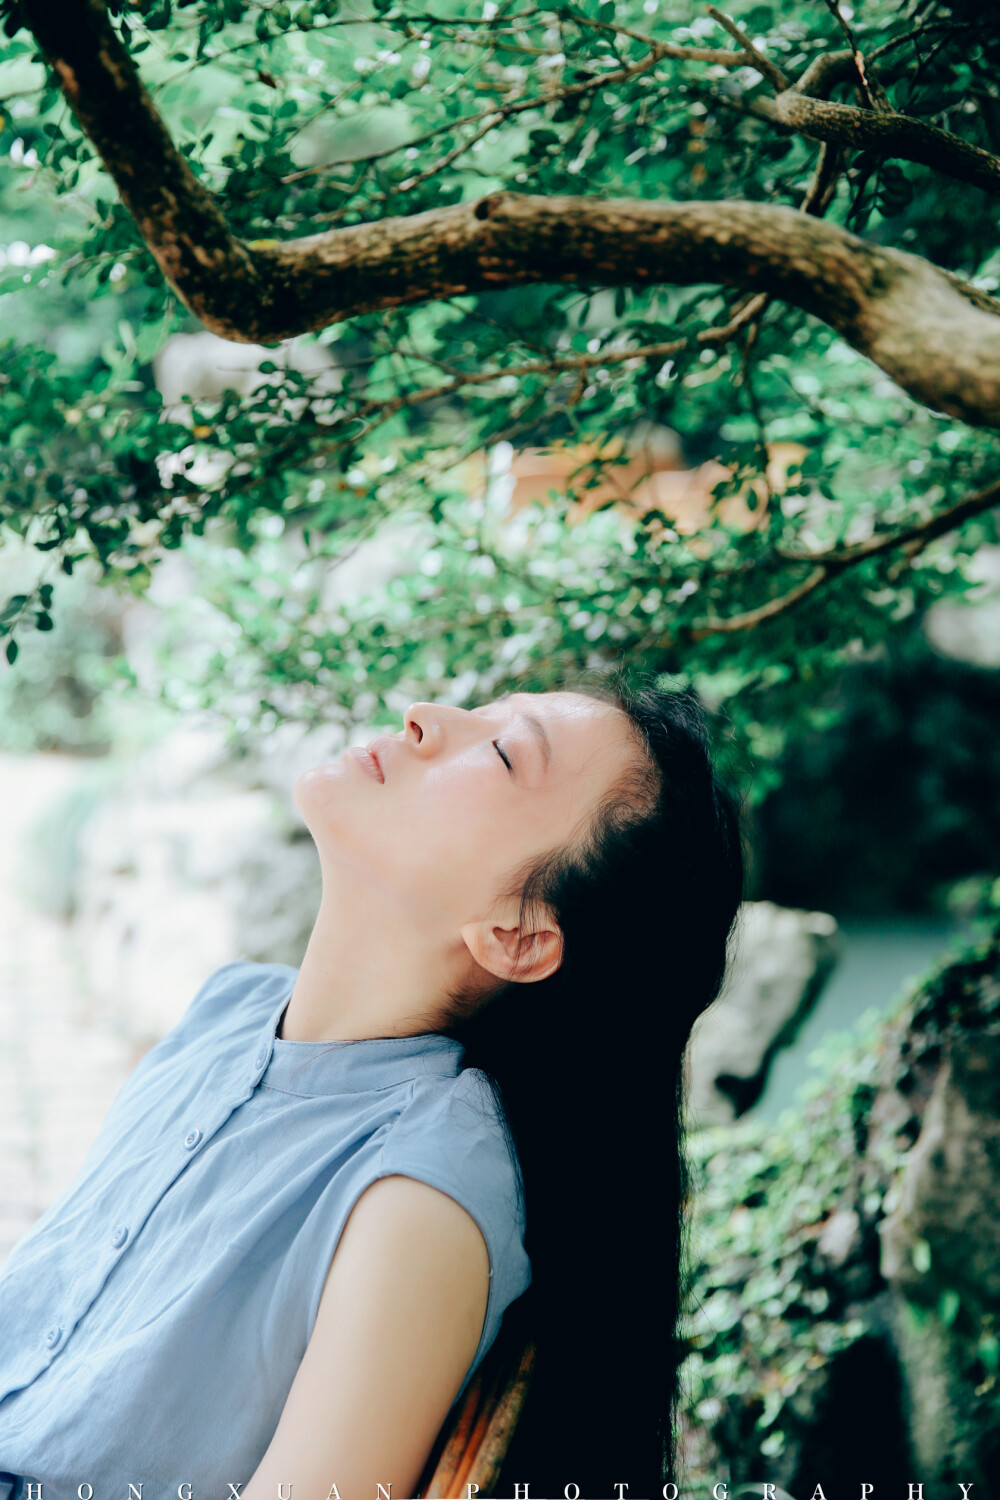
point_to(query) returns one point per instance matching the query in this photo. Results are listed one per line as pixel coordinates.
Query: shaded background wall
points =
(880, 817)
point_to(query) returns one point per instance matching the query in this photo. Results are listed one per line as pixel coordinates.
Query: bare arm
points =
(398, 1324)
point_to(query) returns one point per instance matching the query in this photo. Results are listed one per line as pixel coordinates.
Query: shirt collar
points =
(349, 1067)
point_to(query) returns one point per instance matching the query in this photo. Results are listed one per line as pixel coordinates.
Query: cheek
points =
(451, 811)
(432, 836)
(470, 833)
(453, 831)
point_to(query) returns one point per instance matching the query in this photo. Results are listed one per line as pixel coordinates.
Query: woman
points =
(309, 1207)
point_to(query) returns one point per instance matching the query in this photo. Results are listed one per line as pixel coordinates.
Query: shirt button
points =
(191, 1139)
(259, 1063)
(120, 1235)
(53, 1336)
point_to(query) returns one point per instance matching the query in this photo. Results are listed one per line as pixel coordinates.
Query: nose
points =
(420, 723)
(430, 726)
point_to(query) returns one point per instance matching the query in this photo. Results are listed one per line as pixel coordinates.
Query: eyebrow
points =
(537, 729)
(536, 726)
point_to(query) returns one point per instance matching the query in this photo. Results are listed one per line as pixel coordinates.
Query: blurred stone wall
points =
(781, 960)
(191, 861)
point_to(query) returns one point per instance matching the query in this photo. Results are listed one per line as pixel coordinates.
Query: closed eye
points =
(502, 756)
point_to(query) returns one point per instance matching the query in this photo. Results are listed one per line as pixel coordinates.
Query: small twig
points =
(497, 113)
(829, 165)
(923, 532)
(749, 618)
(756, 59)
(581, 386)
(856, 54)
(720, 56)
(460, 149)
(380, 411)
(827, 565)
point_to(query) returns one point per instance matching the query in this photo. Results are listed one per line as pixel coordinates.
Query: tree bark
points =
(914, 321)
(887, 134)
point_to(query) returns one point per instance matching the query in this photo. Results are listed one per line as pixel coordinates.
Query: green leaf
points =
(920, 1254)
(949, 1303)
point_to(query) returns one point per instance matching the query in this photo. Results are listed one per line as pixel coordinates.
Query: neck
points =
(367, 974)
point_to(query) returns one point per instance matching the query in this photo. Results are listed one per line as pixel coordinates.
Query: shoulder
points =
(233, 1003)
(241, 983)
(451, 1134)
(456, 1126)
(241, 977)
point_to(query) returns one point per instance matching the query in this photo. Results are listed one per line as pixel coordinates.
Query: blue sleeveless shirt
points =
(153, 1319)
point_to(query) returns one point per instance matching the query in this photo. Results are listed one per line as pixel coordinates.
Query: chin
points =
(311, 790)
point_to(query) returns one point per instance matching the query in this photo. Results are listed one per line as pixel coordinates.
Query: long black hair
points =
(587, 1068)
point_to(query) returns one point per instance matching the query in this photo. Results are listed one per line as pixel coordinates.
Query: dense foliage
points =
(790, 1343)
(305, 116)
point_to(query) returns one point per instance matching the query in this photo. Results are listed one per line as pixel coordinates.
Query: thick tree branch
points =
(897, 309)
(178, 218)
(889, 134)
(805, 108)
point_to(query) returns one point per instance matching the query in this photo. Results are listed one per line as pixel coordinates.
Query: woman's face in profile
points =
(467, 795)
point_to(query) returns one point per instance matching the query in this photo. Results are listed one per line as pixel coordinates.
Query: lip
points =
(366, 761)
(377, 750)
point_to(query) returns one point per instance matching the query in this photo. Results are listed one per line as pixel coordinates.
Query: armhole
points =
(422, 1172)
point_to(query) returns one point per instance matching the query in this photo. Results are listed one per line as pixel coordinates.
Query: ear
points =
(494, 948)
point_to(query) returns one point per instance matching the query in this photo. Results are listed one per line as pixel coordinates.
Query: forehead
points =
(562, 706)
(555, 704)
